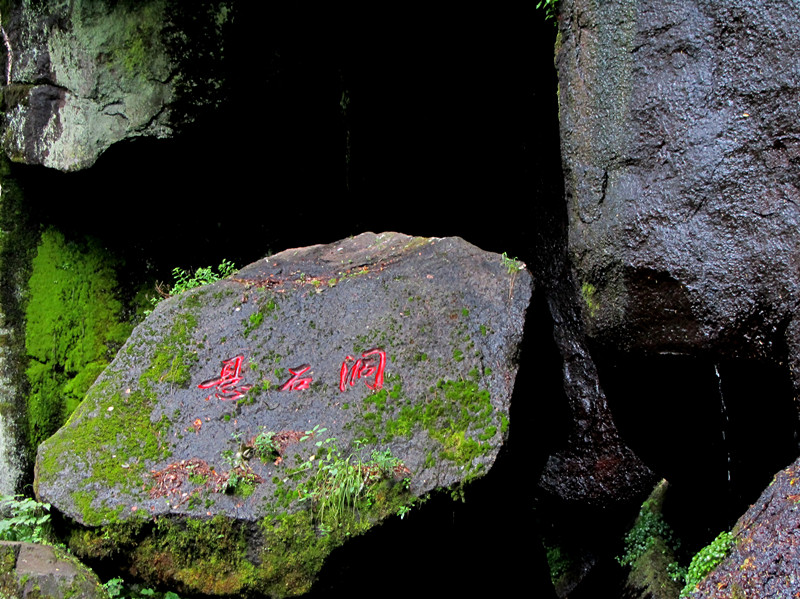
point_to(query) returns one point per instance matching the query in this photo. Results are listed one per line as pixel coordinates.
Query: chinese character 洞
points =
(226, 383)
(296, 383)
(363, 367)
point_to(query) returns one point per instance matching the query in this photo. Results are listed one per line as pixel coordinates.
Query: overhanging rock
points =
(248, 427)
(83, 76)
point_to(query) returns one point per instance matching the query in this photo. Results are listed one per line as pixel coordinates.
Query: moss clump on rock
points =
(75, 325)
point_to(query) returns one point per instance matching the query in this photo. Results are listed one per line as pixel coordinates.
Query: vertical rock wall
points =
(17, 242)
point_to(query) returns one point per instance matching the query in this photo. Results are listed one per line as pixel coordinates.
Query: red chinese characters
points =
(364, 367)
(227, 383)
(298, 382)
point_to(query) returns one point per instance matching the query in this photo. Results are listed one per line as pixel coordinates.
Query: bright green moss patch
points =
(457, 414)
(293, 554)
(174, 357)
(296, 545)
(75, 325)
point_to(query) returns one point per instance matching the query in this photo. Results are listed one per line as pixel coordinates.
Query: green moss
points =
(199, 555)
(706, 560)
(457, 414)
(560, 563)
(139, 32)
(588, 292)
(255, 320)
(174, 358)
(75, 325)
(115, 445)
(293, 554)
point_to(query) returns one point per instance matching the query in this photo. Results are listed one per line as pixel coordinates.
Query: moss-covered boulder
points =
(250, 426)
(32, 571)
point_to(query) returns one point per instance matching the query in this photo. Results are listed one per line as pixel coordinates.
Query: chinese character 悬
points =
(363, 367)
(226, 383)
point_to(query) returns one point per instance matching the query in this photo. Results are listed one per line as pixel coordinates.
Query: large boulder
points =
(680, 128)
(248, 427)
(85, 75)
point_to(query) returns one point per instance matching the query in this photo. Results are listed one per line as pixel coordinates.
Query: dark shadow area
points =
(436, 131)
(717, 432)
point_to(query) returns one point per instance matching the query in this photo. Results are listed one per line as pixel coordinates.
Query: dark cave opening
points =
(717, 430)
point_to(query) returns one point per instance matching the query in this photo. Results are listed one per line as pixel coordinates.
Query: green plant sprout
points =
(185, 280)
(340, 484)
(117, 588)
(650, 526)
(265, 446)
(513, 265)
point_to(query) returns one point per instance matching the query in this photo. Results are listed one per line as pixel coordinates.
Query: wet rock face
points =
(764, 559)
(86, 75)
(214, 416)
(679, 126)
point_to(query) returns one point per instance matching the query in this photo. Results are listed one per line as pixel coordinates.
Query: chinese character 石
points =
(363, 367)
(226, 383)
(296, 383)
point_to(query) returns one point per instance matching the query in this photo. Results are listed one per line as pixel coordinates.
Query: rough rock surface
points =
(85, 75)
(595, 467)
(407, 343)
(15, 255)
(29, 570)
(681, 135)
(765, 558)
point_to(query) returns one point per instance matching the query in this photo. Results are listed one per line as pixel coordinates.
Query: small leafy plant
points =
(513, 265)
(549, 7)
(23, 519)
(708, 558)
(116, 588)
(649, 526)
(186, 279)
(265, 446)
